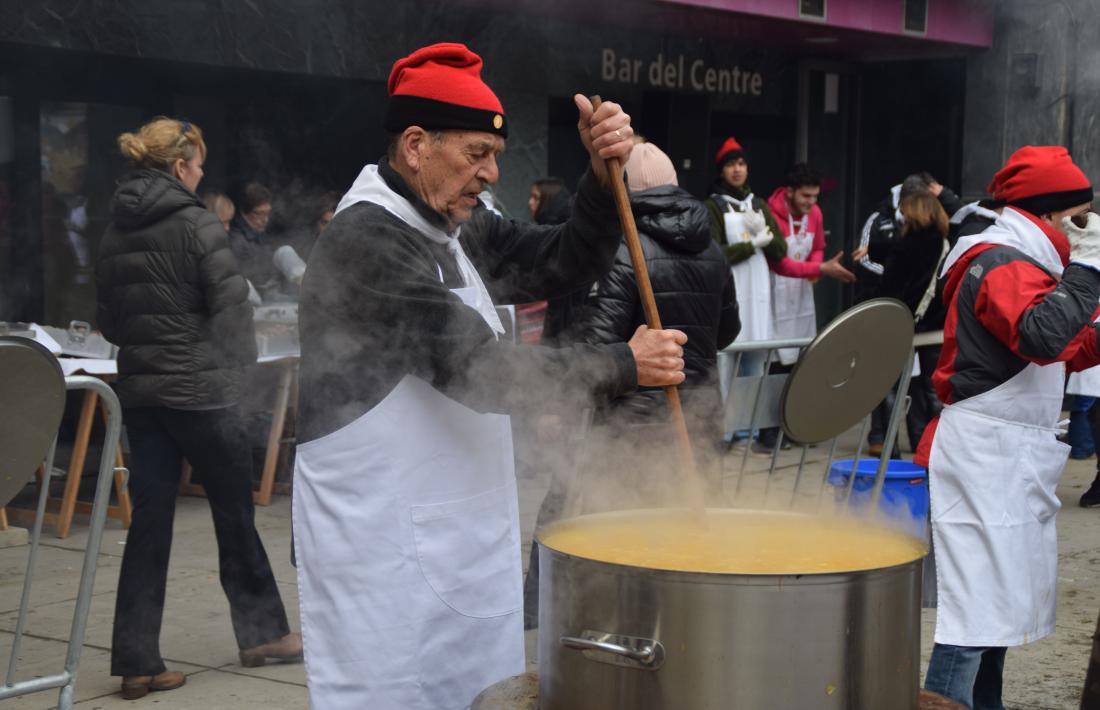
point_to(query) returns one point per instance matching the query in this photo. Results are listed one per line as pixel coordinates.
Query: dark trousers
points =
(214, 442)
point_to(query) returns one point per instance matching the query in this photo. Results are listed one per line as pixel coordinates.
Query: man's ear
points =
(413, 142)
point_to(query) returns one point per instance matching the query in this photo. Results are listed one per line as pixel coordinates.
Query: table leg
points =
(76, 464)
(3, 518)
(275, 435)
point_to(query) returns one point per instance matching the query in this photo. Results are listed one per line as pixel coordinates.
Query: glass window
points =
(11, 295)
(80, 166)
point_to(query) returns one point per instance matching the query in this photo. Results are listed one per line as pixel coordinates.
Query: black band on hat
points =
(1039, 205)
(405, 111)
(728, 156)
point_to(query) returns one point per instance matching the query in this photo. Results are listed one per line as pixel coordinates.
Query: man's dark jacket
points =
(170, 296)
(376, 306)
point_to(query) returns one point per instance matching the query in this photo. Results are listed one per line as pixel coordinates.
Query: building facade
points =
(292, 93)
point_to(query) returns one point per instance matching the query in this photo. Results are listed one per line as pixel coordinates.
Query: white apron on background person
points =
(406, 532)
(752, 284)
(793, 299)
(751, 277)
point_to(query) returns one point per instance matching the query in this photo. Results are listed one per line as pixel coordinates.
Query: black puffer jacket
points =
(171, 296)
(691, 284)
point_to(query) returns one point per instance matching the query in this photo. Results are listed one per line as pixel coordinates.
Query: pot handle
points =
(644, 653)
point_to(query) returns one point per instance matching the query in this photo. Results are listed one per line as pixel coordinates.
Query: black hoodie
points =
(170, 295)
(691, 282)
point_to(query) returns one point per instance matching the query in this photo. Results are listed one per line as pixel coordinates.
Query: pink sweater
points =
(811, 268)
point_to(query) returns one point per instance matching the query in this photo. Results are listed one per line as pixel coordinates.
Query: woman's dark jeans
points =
(214, 442)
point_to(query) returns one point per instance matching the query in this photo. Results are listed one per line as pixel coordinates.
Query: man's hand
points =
(1084, 243)
(935, 188)
(605, 133)
(754, 222)
(763, 238)
(659, 355)
(834, 270)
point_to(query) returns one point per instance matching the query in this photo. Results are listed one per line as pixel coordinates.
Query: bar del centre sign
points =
(678, 73)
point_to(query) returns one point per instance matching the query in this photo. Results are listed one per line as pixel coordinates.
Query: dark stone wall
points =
(1038, 85)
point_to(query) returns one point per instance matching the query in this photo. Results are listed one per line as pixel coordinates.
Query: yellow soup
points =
(732, 541)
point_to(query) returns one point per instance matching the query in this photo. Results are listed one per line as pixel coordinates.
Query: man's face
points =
(533, 200)
(736, 172)
(800, 200)
(1054, 219)
(259, 217)
(453, 167)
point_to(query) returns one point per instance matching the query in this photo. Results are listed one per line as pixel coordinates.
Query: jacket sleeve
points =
(611, 314)
(729, 321)
(1039, 319)
(776, 249)
(387, 296)
(866, 236)
(225, 292)
(526, 262)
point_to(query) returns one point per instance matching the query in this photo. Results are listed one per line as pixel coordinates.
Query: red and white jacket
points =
(1006, 308)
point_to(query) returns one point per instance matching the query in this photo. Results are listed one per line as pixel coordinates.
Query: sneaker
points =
(1091, 497)
(874, 449)
(1081, 453)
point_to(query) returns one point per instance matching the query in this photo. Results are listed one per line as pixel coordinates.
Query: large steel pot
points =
(616, 637)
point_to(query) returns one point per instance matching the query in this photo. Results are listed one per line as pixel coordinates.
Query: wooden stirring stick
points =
(653, 320)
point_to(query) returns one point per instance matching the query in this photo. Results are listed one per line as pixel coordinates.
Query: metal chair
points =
(34, 399)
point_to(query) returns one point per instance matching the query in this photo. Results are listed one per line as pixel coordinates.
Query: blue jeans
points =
(967, 674)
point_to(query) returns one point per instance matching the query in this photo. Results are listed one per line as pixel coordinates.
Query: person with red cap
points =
(406, 514)
(1021, 297)
(750, 238)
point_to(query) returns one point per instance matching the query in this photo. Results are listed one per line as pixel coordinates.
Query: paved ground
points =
(197, 638)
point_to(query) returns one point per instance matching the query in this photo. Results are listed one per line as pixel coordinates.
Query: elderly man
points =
(405, 505)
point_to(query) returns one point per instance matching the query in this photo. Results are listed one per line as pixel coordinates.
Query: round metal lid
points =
(30, 412)
(847, 370)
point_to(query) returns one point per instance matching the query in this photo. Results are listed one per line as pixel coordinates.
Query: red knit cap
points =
(730, 150)
(440, 86)
(1041, 180)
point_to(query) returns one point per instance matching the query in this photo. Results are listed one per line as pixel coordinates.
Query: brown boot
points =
(138, 686)
(288, 649)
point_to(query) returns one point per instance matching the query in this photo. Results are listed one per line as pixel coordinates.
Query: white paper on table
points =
(45, 339)
(90, 366)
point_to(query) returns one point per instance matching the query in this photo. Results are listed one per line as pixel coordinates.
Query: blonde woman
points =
(171, 296)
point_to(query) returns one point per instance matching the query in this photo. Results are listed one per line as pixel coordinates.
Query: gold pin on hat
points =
(498, 121)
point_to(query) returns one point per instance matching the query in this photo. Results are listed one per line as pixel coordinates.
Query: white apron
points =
(994, 466)
(751, 278)
(793, 299)
(406, 533)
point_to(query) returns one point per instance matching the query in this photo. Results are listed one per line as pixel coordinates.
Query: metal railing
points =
(752, 403)
(65, 680)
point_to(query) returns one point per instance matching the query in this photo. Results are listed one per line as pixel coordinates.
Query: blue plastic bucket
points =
(905, 489)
